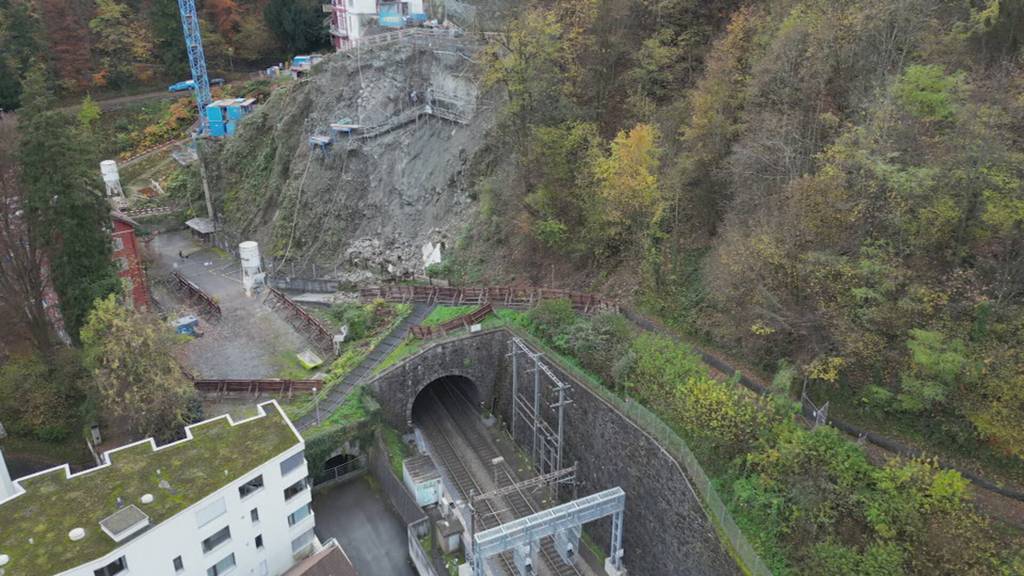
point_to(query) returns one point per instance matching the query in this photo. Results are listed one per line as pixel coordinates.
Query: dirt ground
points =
(249, 341)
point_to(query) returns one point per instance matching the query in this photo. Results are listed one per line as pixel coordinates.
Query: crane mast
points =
(196, 58)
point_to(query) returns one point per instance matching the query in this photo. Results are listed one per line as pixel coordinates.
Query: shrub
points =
(550, 319)
(358, 318)
(721, 415)
(878, 559)
(661, 367)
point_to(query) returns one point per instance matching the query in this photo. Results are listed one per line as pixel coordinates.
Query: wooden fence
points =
(503, 296)
(257, 388)
(207, 305)
(464, 321)
(303, 322)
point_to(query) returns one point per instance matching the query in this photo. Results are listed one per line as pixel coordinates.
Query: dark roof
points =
(331, 561)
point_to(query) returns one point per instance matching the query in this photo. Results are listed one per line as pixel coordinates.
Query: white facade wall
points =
(6, 484)
(152, 552)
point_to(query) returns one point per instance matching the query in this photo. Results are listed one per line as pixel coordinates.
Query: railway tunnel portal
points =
(665, 529)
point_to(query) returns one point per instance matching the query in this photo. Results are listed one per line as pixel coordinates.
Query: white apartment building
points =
(351, 19)
(230, 498)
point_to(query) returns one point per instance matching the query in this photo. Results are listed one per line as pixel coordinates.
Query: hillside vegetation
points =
(836, 186)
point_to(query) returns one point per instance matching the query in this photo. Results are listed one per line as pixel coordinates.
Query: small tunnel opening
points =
(455, 392)
(339, 460)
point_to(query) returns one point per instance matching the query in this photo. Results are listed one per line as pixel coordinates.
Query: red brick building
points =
(129, 261)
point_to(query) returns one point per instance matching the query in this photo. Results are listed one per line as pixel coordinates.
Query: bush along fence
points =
(809, 411)
(503, 296)
(464, 321)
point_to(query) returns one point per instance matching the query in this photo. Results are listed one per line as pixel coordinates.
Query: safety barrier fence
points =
(273, 386)
(304, 322)
(207, 304)
(414, 33)
(420, 559)
(464, 321)
(504, 296)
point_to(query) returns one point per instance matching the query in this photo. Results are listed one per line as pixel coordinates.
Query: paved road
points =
(372, 535)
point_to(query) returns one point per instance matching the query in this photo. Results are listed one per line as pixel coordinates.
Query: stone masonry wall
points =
(666, 530)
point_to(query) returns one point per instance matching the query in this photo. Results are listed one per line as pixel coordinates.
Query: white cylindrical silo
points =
(252, 269)
(112, 179)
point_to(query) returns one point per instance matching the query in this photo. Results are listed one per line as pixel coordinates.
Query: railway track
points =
(519, 505)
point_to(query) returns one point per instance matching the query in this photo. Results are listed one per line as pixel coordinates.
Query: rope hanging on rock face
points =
(298, 204)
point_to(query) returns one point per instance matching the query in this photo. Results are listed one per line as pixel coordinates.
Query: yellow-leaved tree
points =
(631, 199)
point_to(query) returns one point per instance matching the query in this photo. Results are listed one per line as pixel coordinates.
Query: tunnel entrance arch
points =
(457, 384)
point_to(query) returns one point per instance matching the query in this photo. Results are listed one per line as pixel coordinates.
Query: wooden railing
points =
(304, 322)
(207, 305)
(500, 296)
(464, 321)
(283, 388)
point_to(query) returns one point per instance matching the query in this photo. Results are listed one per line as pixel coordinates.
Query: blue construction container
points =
(218, 129)
(231, 127)
(215, 113)
(391, 16)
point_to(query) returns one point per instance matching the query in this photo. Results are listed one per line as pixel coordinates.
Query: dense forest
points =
(95, 45)
(831, 193)
(837, 186)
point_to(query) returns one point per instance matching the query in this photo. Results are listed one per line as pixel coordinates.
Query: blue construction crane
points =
(196, 58)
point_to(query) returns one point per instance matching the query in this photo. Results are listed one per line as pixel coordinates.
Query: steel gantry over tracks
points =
(563, 522)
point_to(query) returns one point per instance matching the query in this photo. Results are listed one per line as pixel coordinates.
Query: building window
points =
(292, 462)
(254, 485)
(296, 488)
(222, 567)
(259, 541)
(302, 541)
(254, 515)
(118, 244)
(300, 514)
(211, 512)
(178, 564)
(116, 567)
(219, 537)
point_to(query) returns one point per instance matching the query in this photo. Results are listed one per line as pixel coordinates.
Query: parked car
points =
(191, 85)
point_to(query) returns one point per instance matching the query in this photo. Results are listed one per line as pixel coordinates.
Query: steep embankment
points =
(367, 205)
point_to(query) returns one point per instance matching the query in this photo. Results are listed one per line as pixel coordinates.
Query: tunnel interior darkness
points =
(450, 389)
(339, 460)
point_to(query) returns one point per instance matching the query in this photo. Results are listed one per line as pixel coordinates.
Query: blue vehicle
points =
(186, 85)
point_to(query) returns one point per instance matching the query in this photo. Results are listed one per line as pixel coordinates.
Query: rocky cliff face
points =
(367, 205)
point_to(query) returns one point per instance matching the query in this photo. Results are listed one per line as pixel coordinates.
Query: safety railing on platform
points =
(304, 322)
(464, 321)
(273, 386)
(502, 296)
(207, 305)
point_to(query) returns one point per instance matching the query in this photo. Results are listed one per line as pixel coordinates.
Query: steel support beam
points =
(525, 531)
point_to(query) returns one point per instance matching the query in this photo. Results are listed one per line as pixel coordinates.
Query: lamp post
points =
(316, 403)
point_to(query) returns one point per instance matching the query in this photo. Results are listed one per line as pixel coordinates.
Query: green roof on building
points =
(35, 523)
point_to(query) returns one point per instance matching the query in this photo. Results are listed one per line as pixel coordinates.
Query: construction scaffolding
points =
(545, 443)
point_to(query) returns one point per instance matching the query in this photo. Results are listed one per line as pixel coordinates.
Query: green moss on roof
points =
(53, 504)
